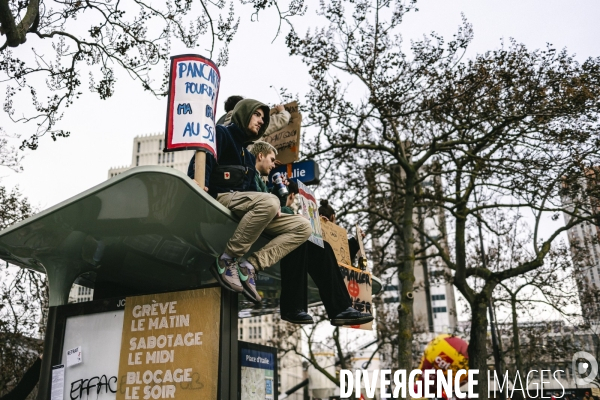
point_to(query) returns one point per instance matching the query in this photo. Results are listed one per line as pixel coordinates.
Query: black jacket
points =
(231, 143)
(230, 151)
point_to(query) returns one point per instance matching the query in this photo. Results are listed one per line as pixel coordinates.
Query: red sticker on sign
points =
(353, 288)
(227, 175)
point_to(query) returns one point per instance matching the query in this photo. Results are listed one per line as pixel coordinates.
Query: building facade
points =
(548, 352)
(584, 241)
(80, 294)
(261, 330)
(148, 150)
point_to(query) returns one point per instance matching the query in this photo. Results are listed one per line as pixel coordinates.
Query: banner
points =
(359, 285)
(193, 92)
(287, 140)
(170, 346)
(309, 210)
(337, 237)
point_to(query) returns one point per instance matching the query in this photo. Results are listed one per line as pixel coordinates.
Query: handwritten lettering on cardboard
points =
(170, 346)
(287, 140)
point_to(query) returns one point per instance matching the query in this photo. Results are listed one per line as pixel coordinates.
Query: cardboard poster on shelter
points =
(193, 92)
(337, 237)
(309, 210)
(359, 285)
(287, 140)
(170, 346)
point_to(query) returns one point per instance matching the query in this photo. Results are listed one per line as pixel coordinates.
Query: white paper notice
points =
(74, 356)
(58, 382)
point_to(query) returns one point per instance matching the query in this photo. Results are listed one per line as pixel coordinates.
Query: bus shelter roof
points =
(147, 230)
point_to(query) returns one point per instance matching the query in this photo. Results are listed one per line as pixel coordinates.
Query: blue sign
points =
(268, 386)
(306, 172)
(257, 359)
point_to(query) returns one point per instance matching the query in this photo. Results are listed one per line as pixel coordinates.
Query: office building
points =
(148, 150)
(584, 240)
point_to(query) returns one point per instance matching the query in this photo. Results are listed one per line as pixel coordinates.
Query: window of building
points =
(159, 158)
(241, 333)
(172, 157)
(163, 158)
(439, 309)
(160, 144)
(438, 297)
(138, 147)
(137, 160)
(259, 332)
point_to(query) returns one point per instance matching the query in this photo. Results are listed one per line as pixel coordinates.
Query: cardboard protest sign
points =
(309, 210)
(287, 140)
(359, 287)
(337, 237)
(362, 254)
(193, 91)
(170, 346)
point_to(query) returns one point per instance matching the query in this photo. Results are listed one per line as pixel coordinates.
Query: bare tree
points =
(511, 125)
(23, 306)
(103, 37)
(550, 289)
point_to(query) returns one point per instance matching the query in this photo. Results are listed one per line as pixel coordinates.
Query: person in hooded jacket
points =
(230, 179)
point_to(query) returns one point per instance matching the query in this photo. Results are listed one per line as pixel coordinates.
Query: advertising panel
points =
(170, 346)
(258, 372)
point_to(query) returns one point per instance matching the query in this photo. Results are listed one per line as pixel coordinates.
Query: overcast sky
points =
(102, 131)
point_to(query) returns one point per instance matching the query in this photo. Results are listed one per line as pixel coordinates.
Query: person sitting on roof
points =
(230, 179)
(308, 258)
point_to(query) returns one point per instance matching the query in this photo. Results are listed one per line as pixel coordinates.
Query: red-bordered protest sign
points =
(193, 92)
(310, 210)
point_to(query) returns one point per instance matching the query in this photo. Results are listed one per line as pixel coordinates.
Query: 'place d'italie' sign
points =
(170, 346)
(193, 92)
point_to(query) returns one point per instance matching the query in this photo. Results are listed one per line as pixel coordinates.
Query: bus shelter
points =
(159, 326)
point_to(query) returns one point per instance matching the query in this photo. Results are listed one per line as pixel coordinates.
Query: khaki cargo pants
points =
(258, 213)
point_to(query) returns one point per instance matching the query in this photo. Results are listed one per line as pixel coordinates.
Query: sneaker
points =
(247, 277)
(225, 272)
(351, 316)
(297, 317)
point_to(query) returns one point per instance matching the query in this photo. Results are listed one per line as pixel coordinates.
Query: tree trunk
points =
(406, 278)
(477, 343)
(515, 333)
